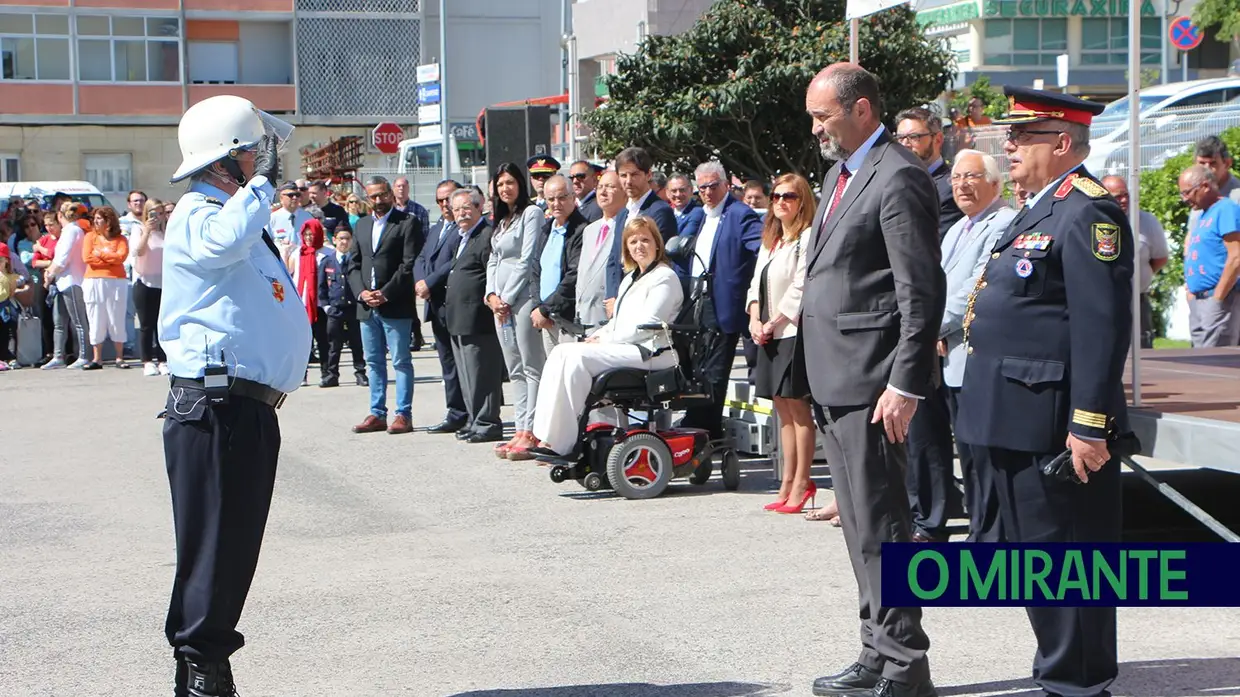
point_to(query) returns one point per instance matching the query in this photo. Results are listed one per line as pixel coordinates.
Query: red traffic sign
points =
(386, 137)
(1183, 34)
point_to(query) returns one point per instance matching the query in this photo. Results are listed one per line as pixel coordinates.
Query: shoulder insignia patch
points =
(1106, 241)
(213, 201)
(1065, 187)
(1089, 187)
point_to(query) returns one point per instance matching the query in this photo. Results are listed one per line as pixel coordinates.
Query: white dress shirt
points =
(705, 243)
(635, 207)
(376, 231)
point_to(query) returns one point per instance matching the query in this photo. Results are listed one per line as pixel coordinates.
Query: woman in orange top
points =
(106, 289)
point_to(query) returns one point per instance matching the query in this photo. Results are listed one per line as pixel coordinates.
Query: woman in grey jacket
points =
(517, 225)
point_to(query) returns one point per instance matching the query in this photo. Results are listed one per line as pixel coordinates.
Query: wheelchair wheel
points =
(640, 466)
(730, 470)
(592, 481)
(701, 475)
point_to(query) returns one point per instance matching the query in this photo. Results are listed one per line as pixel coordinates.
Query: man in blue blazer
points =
(634, 166)
(689, 213)
(726, 246)
(430, 275)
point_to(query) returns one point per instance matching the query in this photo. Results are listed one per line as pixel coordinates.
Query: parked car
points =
(83, 192)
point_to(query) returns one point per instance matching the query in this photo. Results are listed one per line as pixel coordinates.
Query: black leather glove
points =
(267, 160)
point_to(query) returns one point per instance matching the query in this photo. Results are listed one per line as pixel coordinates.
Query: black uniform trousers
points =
(867, 475)
(221, 464)
(931, 480)
(1077, 655)
(452, 395)
(985, 522)
(718, 352)
(341, 330)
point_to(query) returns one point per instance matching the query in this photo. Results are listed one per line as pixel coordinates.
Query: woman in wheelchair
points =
(650, 292)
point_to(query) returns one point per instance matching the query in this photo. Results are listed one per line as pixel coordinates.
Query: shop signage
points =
(1063, 8)
(949, 14)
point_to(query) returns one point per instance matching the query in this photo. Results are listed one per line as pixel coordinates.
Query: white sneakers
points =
(150, 369)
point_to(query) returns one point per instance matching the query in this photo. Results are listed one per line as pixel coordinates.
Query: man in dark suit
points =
(873, 298)
(430, 276)
(933, 494)
(1048, 334)
(727, 247)
(381, 277)
(471, 324)
(584, 176)
(688, 212)
(634, 166)
(553, 268)
(337, 302)
(920, 131)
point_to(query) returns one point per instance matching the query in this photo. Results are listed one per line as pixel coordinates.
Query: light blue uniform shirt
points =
(552, 256)
(227, 295)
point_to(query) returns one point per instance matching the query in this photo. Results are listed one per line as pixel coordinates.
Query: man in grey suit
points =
(976, 186)
(873, 300)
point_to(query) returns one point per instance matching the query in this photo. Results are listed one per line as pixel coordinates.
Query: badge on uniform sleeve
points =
(1106, 241)
(1024, 268)
(277, 291)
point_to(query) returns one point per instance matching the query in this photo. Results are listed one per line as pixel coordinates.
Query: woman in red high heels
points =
(774, 303)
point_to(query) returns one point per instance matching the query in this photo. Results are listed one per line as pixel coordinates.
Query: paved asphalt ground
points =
(414, 565)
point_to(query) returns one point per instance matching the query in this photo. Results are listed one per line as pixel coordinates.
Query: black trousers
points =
(221, 464)
(931, 481)
(453, 397)
(867, 475)
(338, 331)
(1076, 654)
(718, 354)
(1147, 322)
(146, 303)
(985, 522)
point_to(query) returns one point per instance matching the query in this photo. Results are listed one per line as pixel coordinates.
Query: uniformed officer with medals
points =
(541, 168)
(237, 339)
(1047, 330)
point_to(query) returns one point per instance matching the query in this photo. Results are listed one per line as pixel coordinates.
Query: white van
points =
(83, 192)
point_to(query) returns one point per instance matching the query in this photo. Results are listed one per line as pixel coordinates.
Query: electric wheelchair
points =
(640, 460)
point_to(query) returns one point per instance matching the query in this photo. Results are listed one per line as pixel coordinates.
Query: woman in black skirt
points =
(774, 304)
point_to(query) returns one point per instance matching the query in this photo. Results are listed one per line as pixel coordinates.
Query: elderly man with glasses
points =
(1211, 260)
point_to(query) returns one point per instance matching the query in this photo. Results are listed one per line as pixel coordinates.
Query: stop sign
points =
(387, 137)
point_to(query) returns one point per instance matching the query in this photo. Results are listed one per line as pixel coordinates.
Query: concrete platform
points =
(1190, 407)
(415, 565)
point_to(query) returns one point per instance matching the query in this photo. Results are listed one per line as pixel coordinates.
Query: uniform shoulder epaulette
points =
(1089, 187)
(213, 201)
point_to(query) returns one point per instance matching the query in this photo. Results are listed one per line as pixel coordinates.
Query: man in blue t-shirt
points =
(1211, 261)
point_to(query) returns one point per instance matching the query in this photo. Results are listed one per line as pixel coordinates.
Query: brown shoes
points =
(371, 424)
(400, 425)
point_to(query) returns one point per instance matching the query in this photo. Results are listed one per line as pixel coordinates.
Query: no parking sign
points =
(1183, 34)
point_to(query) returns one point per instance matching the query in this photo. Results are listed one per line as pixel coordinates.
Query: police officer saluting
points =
(237, 340)
(1048, 331)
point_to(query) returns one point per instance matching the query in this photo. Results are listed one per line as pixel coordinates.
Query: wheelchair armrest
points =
(655, 326)
(568, 326)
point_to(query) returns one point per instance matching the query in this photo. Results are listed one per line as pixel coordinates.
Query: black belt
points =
(1204, 294)
(241, 388)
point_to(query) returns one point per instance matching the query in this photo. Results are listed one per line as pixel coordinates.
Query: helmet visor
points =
(276, 128)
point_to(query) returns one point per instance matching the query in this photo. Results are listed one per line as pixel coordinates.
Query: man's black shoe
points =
(891, 688)
(446, 426)
(854, 680)
(464, 433)
(211, 680)
(484, 438)
(329, 382)
(362, 380)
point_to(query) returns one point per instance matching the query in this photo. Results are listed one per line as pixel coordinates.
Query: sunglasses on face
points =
(580, 176)
(708, 187)
(788, 196)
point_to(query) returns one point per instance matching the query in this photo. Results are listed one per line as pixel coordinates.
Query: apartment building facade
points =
(93, 89)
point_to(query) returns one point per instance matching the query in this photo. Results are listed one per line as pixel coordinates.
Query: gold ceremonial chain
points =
(968, 310)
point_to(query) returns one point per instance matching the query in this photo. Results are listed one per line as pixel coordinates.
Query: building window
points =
(128, 49)
(1023, 42)
(34, 47)
(111, 173)
(1105, 41)
(10, 168)
(213, 62)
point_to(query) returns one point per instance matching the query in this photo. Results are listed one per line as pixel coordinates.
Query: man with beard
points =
(874, 294)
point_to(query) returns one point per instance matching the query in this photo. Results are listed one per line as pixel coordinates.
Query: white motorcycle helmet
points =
(223, 126)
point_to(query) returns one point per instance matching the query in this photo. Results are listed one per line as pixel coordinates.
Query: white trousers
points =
(106, 302)
(566, 381)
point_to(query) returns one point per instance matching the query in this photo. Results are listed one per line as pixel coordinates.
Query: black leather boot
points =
(210, 679)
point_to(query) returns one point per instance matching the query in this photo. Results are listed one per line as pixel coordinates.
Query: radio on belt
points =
(215, 381)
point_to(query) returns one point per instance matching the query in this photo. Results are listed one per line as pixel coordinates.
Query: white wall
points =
(607, 27)
(266, 53)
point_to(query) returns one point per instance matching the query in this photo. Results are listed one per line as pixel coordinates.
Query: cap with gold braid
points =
(1031, 106)
(544, 165)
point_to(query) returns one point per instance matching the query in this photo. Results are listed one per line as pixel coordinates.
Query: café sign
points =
(1062, 8)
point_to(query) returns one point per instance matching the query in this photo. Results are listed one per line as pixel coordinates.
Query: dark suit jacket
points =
(563, 301)
(433, 265)
(590, 209)
(949, 212)
(392, 263)
(653, 207)
(689, 222)
(874, 287)
(735, 252)
(335, 297)
(335, 217)
(467, 284)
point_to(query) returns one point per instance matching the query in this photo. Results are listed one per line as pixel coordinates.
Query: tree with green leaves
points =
(995, 105)
(1221, 15)
(733, 86)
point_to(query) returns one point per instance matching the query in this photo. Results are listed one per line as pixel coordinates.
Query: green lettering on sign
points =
(950, 14)
(1061, 8)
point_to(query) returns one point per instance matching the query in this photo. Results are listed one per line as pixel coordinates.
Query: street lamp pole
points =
(443, 89)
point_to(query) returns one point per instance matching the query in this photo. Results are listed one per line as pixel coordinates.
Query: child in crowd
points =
(10, 285)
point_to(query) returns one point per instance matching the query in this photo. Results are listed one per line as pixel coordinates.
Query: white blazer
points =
(784, 281)
(656, 296)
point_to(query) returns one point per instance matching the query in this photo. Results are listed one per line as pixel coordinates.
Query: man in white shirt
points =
(1152, 254)
(286, 221)
(131, 225)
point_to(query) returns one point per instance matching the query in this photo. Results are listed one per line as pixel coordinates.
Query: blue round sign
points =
(1183, 34)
